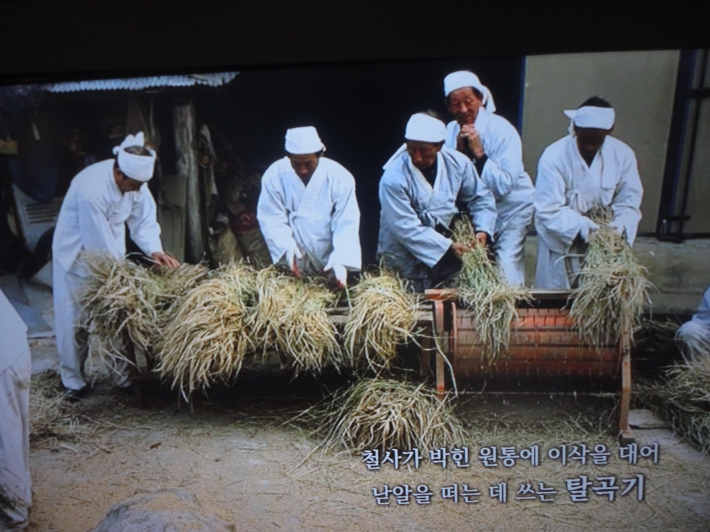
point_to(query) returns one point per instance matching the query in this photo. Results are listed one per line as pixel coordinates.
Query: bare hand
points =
(459, 249)
(470, 133)
(482, 238)
(165, 259)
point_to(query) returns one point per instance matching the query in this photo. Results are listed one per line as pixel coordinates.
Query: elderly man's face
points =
(423, 154)
(125, 183)
(304, 165)
(464, 105)
(590, 140)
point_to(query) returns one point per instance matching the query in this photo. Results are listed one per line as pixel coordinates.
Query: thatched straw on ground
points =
(682, 398)
(292, 318)
(484, 290)
(208, 330)
(383, 315)
(50, 414)
(387, 414)
(613, 285)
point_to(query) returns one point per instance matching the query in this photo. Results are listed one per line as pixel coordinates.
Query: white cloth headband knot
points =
(464, 78)
(595, 117)
(138, 167)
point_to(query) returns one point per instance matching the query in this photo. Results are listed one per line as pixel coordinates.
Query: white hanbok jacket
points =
(412, 208)
(503, 172)
(567, 187)
(94, 216)
(321, 218)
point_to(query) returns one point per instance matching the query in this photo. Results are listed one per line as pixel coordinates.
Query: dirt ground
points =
(245, 459)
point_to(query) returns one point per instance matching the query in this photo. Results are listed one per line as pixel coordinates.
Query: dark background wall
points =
(360, 112)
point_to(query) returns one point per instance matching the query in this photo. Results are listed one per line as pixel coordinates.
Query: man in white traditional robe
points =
(495, 148)
(307, 210)
(102, 199)
(693, 337)
(587, 168)
(15, 370)
(419, 192)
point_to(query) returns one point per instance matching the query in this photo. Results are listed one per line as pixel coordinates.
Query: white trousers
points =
(15, 482)
(71, 347)
(509, 247)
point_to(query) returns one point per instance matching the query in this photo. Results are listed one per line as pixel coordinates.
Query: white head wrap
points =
(303, 140)
(464, 78)
(425, 128)
(590, 116)
(138, 167)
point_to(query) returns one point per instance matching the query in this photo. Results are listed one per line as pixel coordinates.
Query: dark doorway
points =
(360, 112)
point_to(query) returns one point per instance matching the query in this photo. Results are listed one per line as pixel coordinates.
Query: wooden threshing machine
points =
(545, 342)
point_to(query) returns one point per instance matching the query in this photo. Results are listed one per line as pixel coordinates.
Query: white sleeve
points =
(345, 225)
(95, 229)
(143, 223)
(273, 219)
(627, 198)
(505, 163)
(479, 201)
(556, 222)
(423, 242)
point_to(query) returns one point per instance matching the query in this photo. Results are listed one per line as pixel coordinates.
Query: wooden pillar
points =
(187, 169)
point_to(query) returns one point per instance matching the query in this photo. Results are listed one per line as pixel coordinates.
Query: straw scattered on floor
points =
(208, 331)
(382, 316)
(484, 290)
(387, 414)
(613, 285)
(682, 398)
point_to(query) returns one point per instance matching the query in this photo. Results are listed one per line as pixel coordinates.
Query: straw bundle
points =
(684, 400)
(613, 286)
(117, 297)
(389, 414)
(292, 317)
(383, 315)
(485, 291)
(208, 330)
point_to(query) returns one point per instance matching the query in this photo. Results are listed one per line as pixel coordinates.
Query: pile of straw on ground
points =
(50, 415)
(292, 318)
(613, 285)
(388, 414)
(682, 398)
(208, 330)
(485, 291)
(382, 316)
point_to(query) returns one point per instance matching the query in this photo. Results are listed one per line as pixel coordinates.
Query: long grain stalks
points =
(613, 286)
(382, 316)
(388, 414)
(484, 290)
(208, 331)
(292, 318)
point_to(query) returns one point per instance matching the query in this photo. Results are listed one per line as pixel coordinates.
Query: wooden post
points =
(187, 169)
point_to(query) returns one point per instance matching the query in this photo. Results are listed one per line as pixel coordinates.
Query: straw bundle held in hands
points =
(613, 285)
(388, 414)
(208, 330)
(485, 291)
(292, 317)
(683, 400)
(383, 315)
